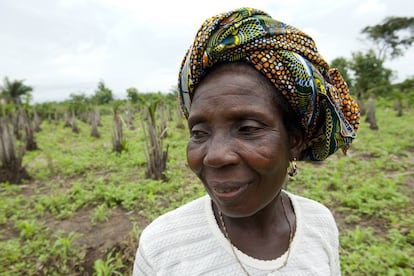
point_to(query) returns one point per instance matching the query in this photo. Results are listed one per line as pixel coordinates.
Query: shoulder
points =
(172, 221)
(316, 243)
(310, 207)
(314, 215)
(176, 237)
(175, 229)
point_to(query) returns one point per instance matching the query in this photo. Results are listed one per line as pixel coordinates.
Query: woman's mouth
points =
(229, 192)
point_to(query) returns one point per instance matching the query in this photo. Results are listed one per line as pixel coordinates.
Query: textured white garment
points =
(188, 241)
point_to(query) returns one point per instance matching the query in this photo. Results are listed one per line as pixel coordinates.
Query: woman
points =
(257, 96)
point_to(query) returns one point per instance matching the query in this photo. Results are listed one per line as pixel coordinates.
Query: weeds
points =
(369, 191)
(111, 266)
(100, 214)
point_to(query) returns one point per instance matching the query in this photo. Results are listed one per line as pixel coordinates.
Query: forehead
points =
(234, 79)
(233, 89)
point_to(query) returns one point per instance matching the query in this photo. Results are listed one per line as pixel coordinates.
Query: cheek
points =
(194, 157)
(269, 156)
(268, 165)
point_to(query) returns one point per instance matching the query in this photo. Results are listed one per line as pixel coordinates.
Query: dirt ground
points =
(96, 240)
(116, 233)
(100, 238)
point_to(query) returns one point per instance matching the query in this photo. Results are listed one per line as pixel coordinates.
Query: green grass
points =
(75, 176)
(369, 194)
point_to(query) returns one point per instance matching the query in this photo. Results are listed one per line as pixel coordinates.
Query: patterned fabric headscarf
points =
(289, 59)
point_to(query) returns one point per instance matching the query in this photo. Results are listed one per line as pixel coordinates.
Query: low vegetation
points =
(85, 205)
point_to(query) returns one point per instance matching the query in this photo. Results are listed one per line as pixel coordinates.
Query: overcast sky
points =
(66, 46)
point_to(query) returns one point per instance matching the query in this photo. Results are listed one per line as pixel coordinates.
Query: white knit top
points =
(188, 241)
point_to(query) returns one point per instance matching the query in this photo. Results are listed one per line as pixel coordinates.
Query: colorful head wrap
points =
(289, 59)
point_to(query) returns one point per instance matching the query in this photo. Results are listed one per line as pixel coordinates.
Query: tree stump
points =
(370, 118)
(11, 169)
(398, 107)
(74, 124)
(117, 134)
(94, 125)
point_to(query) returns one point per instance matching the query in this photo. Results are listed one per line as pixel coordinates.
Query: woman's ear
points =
(297, 145)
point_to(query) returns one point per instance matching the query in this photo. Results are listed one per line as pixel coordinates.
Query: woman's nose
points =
(220, 152)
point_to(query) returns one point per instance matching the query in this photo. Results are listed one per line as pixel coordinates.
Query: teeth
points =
(226, 190)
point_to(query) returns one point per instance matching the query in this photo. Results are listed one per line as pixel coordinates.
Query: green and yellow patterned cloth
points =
(289, 59)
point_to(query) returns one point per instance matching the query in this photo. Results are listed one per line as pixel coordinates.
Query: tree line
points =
(19, 121)
(365, 74)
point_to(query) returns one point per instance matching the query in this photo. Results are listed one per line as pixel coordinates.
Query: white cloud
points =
(80, 64)
(66, 46)
(371, 7)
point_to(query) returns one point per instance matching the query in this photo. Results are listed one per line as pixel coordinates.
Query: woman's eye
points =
(249, 129)
(198, 135)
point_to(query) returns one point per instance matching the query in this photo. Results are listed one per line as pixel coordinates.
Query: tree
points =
(406, 90)
(78, 103)
(12, 91)
(94, 117)
(154, 132)
(407, 86)
(103, 94)
(118, 140)
(28, 127)
(391, 37)
(371, 77)
(11, 156)
(132, 95)
(371, 119)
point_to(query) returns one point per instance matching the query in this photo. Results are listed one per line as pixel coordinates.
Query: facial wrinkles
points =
(263, 156)
(212, 102)
(206, 106)
(231, 151)
(245, 140)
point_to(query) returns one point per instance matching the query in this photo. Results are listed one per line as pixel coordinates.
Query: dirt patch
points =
(98, 239)
(37, 187)
(95, 240)
(380, 226)
(366, 156)
(29, 190)
(410, 183)
(410, 148)
(8, 232)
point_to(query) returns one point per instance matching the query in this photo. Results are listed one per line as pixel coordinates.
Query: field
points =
(85, 206)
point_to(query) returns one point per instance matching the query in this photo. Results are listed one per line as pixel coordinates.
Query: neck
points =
(266, 220)
(265, 235)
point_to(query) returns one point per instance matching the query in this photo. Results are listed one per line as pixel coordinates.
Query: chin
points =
(238, 211)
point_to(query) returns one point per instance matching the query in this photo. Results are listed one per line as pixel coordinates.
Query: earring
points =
(293, 169)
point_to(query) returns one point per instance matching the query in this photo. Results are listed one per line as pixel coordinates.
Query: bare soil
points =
(116, 233)
(96, 240)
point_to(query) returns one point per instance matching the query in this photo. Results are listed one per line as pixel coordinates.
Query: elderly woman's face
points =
(239, 146)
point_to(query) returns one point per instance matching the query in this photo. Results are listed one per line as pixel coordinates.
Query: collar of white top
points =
(244, 258)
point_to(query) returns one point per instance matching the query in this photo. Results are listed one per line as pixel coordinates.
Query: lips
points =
(228, 191)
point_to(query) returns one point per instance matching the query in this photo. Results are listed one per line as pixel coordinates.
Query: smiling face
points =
(239, 147)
